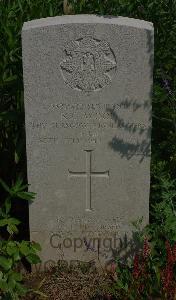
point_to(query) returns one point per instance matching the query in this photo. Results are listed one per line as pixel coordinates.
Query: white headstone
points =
(88, 86)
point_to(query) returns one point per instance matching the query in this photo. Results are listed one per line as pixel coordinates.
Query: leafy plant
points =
(12, 252)
(12, 130)
(146, 277)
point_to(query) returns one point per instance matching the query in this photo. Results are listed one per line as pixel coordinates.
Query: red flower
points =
(146, 248)
(113, 267)
(174, 253)
(170, 258)
(136, 269)
(141, 288)
(167, 276)
(168, 273)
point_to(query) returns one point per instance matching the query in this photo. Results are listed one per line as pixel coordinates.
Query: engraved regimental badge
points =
(89, 64)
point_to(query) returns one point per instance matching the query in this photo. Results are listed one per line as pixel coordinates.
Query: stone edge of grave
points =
(87, 19)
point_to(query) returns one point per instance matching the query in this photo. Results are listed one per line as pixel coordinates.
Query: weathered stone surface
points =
(88, 85)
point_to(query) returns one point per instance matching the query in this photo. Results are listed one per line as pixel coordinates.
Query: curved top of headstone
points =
(87, 19)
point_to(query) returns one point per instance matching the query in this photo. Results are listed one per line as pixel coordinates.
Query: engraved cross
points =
(88, 174)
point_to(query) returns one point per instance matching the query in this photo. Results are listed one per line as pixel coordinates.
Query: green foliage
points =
(146, 276)
(12, 130)
(151, 274)
(11, 251)
(163, 207)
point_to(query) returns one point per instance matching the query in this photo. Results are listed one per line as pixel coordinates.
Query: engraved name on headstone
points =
(87, 87)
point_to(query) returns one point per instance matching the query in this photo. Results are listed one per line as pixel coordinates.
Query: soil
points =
(68, 284)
